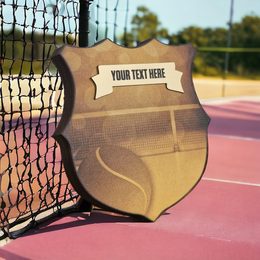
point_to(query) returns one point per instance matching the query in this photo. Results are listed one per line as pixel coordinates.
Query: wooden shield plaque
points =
(133, 134)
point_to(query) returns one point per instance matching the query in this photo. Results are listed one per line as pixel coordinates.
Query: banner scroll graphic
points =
(136, 74)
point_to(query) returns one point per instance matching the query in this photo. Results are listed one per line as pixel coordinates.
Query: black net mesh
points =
(109, 19)
(33, 183)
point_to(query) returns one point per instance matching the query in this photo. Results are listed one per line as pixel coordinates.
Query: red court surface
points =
(219, 219)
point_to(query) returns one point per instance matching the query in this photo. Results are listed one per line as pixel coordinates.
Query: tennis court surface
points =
(219, 219)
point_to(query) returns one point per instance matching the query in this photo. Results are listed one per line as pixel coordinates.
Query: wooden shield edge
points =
(69, 99)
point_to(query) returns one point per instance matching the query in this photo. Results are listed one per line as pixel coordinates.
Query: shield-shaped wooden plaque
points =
(133, 134)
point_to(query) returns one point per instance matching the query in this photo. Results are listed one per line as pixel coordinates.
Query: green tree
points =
(246, 34)
(146, 25)
(192, 34)
(29, 52)
(205, 63)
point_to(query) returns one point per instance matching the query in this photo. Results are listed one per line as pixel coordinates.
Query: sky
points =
(173, 14)
(177, 14)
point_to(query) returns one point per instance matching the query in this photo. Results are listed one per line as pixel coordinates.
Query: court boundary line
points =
(228, 100)
(236, 137)
(232, 182)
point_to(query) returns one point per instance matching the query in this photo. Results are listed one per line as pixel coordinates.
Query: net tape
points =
(32, 178)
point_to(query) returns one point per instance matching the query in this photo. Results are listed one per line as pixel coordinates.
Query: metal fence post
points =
(84, 22)
(229, 42)
(84, 13)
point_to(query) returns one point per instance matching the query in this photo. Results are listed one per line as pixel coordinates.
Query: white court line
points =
(236, 137)
(232, 182)
(228, 100)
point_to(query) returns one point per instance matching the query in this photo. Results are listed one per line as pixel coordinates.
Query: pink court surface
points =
(219, 219)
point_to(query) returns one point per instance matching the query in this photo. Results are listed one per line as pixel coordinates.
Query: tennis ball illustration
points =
(116, 178)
